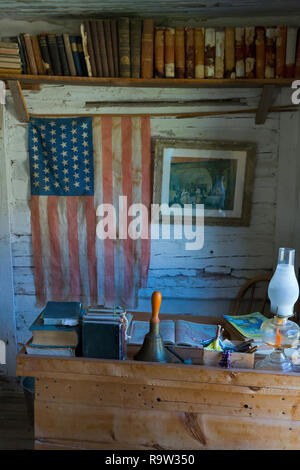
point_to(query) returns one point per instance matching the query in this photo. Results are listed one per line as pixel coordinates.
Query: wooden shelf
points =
(149, 83)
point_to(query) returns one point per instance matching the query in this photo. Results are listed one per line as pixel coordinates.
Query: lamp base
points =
(277, 360)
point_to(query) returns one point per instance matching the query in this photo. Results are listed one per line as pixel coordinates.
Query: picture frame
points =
(218, 174)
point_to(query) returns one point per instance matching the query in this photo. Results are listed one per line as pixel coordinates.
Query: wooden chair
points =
(251, 286)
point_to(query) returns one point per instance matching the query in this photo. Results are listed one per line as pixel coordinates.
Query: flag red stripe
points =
(109, 282)
(90, 214)
(56, 277)
(127, 191)
(146, 194)
(73, 248)
(37, 251)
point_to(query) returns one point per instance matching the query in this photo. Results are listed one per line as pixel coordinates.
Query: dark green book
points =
(54, 54)
(62, 55)
(62, 313)
(45, 54)
(52, 335)
(135, 47)
(124, 47)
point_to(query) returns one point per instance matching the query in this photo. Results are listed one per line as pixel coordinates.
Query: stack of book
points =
(10, 61)
(57, 330)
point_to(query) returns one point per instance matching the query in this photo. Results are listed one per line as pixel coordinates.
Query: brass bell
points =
(153, 349)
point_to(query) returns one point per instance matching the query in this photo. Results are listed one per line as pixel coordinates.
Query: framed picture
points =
(214, 173)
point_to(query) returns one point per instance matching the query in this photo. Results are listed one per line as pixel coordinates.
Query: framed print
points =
(218, 174)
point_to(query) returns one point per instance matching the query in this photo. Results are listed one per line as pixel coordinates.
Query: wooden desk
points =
(85, 403)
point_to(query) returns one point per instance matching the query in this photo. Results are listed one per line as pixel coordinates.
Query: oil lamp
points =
(279, 332)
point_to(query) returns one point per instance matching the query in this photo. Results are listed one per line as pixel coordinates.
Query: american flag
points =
(76, 164)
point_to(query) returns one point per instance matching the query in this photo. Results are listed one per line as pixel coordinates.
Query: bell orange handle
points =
(155, 302)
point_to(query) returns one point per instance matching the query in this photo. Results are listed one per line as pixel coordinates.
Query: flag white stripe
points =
(83, 262)
(64, 245)
(45, 245)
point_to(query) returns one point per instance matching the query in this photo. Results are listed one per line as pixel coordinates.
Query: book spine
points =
(81, 56)
(37, 55)
(22, 40)
(260, 52)
(62, 55)
(135, 47)
(297, 63)
(250, 52)
(114, 37)
(90, 50)
(159, 55)
(22, 56)
(84, 39)
(124, 47)
(102, 48)
(53, 49)
(280, 51)
(190, 52)
(45, 54)
(229, 52)
(199, 52)
(290, 57)
(239, 52)
(30, 54)
(147, 48)
(179, 53)
(109, 49)
(73, 42)
(170, 52)
(220, 53)
(69, 55)
(270, 53)
(210, 52)
(6, 70)
(96, 47)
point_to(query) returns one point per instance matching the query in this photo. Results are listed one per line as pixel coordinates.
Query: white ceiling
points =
(37, 9)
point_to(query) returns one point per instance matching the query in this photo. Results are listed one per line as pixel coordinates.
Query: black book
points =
(81, 56)
(45, 54)
(54, 54)
(62, 55)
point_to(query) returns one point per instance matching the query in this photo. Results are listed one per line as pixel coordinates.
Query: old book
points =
(81, 56)
(52, 335)
(22, 41)
(179, 52)
(12, 46)
(69, 55)
(239, 52)
(280, 51)
(270, 52)
(37, 55)
(45, 54)
(230, 52)
(11, 58)
(250, 52)
(260, 52)
(199, 52)
(30, 54)
(210, 52)
(147, 49)
(34, 349)
(62, 313)
(114, 38)
(109, 49)
(96, 47)
(10, 65)
(9, 70)
(54, 54)
(220, 53)
(135, 47)
(290, 57)
(76, 58)
(247, 325)
(90, 49)
(84, 38)
(170, 52)
(6, 51)
(10, 43)
(102, 48)
(124, 47)
(189, 52)
(62, 55)
(159, 52)
(297, 63)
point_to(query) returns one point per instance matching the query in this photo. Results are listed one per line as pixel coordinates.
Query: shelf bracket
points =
(19, 101)
(266, 101)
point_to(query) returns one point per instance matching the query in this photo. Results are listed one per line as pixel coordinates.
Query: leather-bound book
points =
(45, 54)
(239, 52)
(260, 52)
(96, 47)
(30, 54)
(62, 55)
(290, 57)
(53, 50)
(199, 52)
(270, 52)
(280, 51)
(159, 52)
(37, 55)
(114, 38)
(81, 56)
(76, 58)
(220, 53)
(22, 55)
(210, 52)
(179, 53)
(147, 48)
(109, 49)
(250, 52)
(297, 63)
(69, 55)
(88, 48)
(170, 52)
(124, 47)
(102, 48)
(230, 52)
(189, 52)
(135, 47)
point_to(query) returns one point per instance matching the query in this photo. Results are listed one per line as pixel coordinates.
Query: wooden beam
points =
(19, 102)
(266, 101)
